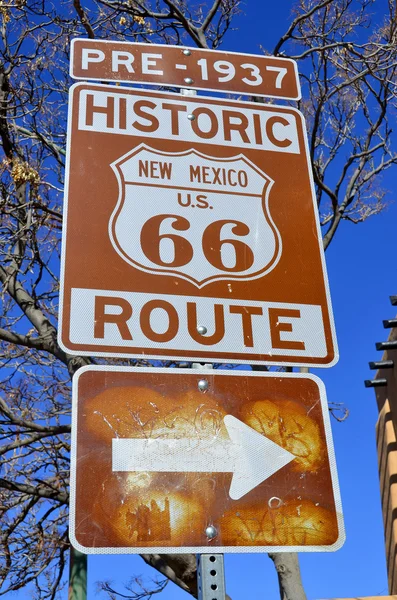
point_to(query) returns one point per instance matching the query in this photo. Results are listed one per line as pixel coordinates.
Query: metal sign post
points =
(77, 575)
(210, 567)
(210, 577)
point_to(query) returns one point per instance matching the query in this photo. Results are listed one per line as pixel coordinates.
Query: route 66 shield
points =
(194, 216)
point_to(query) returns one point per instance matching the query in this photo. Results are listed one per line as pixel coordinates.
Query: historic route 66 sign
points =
(191, 232)
(218, 241)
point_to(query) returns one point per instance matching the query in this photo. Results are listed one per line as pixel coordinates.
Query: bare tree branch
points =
(348, 67)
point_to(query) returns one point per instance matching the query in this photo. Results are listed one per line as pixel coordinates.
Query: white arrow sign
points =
(250, 456)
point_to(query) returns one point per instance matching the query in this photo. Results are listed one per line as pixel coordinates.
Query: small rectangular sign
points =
(160, 455)
(194, 68)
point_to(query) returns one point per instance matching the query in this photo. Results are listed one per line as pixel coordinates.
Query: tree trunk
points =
(179, 568)
(289, 575)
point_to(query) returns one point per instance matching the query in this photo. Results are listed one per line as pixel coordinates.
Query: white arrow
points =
(250, 456)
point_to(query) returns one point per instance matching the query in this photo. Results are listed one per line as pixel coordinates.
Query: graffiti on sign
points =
(156, 461)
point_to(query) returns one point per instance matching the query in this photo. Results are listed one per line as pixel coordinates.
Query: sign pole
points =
(210, 567)
(210, 577)
(77, 575)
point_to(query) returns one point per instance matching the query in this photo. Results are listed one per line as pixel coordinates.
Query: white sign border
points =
(205, 549)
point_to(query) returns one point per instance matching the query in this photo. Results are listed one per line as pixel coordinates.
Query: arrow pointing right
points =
(257, 457)
(250, 456)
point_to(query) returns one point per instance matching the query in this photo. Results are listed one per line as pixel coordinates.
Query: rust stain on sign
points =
(153, 459)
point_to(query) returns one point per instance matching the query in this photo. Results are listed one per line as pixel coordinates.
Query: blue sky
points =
(361, 264)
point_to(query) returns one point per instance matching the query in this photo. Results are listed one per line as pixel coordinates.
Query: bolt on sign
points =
(157, 64)
(191, 232)
(229, 461)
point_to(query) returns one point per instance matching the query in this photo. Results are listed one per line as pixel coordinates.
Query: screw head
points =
(202, 385)
(201, 329)
(188, 80)
(186, 52)
(211, 532)
(191, 117)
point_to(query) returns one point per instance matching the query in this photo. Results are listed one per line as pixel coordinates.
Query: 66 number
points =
(152, 243)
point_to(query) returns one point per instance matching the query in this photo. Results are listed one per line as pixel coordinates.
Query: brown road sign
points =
(157, 64)
(191, 232)
(160, 455)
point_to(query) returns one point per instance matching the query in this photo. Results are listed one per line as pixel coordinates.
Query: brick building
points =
(385, 386)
